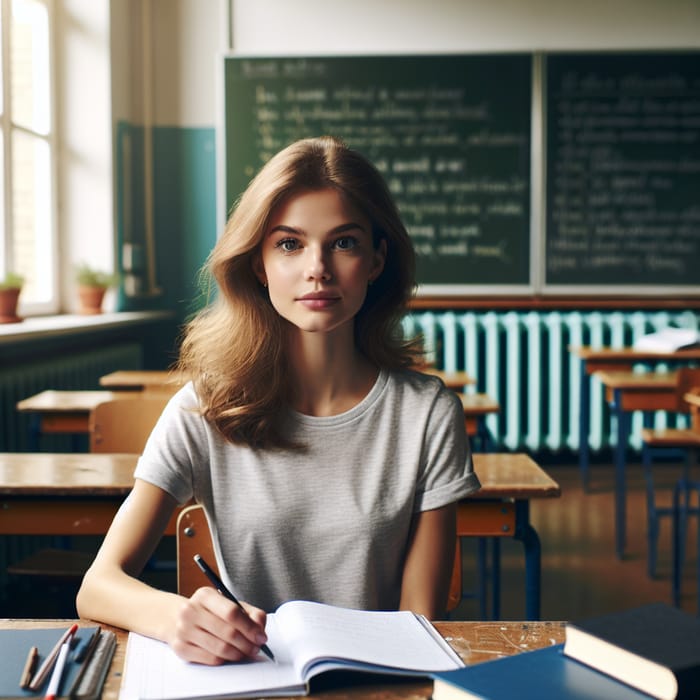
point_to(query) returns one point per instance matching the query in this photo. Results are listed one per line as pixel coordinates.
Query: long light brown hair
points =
(234, 349)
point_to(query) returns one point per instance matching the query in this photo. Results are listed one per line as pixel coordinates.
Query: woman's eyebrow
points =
(342, 228)
(283, 228)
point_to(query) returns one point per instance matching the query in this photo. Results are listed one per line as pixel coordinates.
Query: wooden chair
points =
(193, 537)
(665, 441)
(124, 424)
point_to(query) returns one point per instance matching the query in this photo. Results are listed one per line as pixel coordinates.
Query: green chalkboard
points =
(623, 171)
(451, 134)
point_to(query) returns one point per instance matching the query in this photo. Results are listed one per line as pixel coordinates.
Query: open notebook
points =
(306, 639)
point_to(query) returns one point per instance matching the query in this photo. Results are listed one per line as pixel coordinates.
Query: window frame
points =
(8, 128)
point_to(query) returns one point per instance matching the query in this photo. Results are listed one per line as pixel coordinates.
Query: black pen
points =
(219, 585)
(85, 646)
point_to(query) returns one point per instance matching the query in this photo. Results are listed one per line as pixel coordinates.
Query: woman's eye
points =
(345, 243)
(287, 245)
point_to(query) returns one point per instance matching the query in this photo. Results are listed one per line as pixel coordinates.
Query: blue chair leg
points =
(676, 573)
(682, 509)
(652, 514)
(483, 568)
(697, 556)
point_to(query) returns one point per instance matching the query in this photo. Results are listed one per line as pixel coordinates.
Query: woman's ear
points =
(378, 261)
(259, 269)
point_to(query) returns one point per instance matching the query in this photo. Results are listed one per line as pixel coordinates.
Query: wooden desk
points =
(79, 494)
(61, 493)
(476, 407)
(473, 641)
(452, 380)
(501, 508)
(627, 392)
(608, 359)
(143, 380)
(63, 411)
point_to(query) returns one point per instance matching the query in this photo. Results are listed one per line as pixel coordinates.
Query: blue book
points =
(531, 675)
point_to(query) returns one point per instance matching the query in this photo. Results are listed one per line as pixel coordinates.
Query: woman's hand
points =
(211, 630)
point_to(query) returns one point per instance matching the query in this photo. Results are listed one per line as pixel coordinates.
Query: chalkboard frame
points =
(524, 285)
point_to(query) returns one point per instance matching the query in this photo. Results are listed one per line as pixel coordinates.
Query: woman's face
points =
(317, 258)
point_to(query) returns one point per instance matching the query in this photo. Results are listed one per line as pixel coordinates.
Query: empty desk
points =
(627, 392)
(613, 359)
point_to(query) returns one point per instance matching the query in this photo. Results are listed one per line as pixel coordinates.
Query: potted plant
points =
(10, 287)
(92, 285)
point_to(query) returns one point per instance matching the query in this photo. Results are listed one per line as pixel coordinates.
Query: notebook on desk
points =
(307, 639)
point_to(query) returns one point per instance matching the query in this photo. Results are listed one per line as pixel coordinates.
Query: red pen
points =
(50, 660)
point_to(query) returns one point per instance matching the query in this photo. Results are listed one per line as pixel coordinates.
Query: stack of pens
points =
(56, 662)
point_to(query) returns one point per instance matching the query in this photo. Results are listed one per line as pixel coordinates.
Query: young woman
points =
(328, 469)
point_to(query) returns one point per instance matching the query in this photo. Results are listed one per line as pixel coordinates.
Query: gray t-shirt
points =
(329, 523)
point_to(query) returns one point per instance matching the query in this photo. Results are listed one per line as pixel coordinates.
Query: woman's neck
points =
(329, 374)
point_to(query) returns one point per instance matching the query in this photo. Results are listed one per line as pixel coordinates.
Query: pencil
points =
(29, 666)
(40, 675)
(219, 585)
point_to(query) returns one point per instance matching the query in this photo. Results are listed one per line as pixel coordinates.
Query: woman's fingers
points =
(212, 629)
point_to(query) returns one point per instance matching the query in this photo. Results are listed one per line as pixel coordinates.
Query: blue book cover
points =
(531, 675)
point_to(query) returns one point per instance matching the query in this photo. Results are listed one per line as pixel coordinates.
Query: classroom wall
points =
(166, 58)
(461, 25)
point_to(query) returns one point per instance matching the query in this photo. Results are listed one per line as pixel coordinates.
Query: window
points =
(27, 149)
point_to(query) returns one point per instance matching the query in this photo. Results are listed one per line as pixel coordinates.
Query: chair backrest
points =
(193, 537)
(688, 378)
(123, 425)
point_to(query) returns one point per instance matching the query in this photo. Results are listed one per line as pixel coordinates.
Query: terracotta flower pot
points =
(8, 305)
(91, 299)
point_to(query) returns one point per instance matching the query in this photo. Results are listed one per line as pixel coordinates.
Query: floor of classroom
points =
(581, 576)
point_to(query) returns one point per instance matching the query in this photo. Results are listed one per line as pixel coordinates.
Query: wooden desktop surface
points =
(65, 401)
(473, 641)
(452, 380)
(65, 411)
(597, 359)
(641, 391)
(143, 380)
(502, 475)
(40, 493)
(66, 474)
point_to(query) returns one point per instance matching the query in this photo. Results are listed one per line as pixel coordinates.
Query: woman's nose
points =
(317, 265)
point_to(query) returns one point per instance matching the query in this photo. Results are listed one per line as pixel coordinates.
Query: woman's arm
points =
(427, 571)
(206, 627)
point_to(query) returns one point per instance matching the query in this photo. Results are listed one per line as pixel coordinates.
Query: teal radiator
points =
(522, 360)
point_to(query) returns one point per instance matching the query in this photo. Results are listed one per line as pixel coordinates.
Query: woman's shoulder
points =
(183, 402)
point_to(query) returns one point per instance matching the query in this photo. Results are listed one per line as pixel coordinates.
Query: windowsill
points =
(42, 327)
